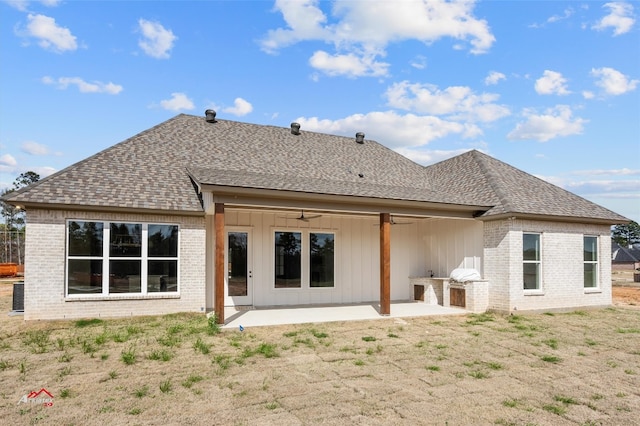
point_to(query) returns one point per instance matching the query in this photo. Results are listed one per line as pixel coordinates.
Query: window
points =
(321, 260)
(531, 261)
(288, 267)
(299, 267)
(590, 262)
(139, 258)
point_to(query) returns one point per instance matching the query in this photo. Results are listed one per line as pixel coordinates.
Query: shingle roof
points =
(154, 170)
(510, 190)
(624, 254)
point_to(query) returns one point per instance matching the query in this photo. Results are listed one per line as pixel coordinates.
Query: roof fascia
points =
(547, 218)
(107, 209)
(248, 197)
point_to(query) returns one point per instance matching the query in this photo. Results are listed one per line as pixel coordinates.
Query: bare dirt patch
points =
(573, 368)
(625, 292)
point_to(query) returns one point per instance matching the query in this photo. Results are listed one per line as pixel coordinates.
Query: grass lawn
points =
(578, 368)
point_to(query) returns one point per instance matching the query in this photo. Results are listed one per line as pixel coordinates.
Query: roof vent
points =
(295, 128)
(210, 116)
(360, 137)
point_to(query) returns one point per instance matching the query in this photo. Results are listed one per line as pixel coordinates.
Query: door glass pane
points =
(237, 258)
(288, 268)
(321, 262)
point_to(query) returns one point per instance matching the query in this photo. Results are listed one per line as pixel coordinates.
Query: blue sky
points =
(550, 87)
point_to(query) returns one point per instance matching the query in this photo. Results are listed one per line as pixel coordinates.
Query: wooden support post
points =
(385, 263)
(218, 220)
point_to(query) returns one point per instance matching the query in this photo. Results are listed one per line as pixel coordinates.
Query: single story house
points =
(199, 213)
(625, 258)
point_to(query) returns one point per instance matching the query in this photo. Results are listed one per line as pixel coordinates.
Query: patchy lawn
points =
(579, 368)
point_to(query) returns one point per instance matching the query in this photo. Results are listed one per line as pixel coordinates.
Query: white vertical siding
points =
(424, 244)
(451, 244)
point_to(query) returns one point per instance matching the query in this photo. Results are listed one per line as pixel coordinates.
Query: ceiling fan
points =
(304, 218)
(393, 222)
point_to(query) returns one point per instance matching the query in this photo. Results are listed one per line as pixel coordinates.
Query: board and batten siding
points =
(418, 246)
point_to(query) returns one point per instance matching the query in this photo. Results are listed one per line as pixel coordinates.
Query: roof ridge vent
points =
(210, 116)
(295, 128)
(360, 137)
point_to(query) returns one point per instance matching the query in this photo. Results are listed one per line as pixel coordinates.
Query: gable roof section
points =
(622, 254)
(154, 169)
(160, 168)
(512, 191)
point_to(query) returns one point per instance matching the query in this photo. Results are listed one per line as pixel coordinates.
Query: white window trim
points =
(144, 259)
(305, 256)
(595, 289)
(540, 290)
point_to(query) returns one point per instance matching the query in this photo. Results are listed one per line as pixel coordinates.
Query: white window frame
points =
(596, 263)
(106, 258)
(305, 259)
(538, 262)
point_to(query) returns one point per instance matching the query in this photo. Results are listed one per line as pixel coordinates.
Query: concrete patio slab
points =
(315, 314)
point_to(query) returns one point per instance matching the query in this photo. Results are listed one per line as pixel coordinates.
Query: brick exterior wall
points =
(46, 264)
(562, 270)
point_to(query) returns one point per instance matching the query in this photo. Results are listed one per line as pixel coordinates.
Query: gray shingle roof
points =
(624, 254)
(154, 170)
(512, 191)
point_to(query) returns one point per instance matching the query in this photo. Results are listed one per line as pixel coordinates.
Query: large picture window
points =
(288, 266)
(139, 258)
(321, 257)
(590, 262)
(531, 261)
(304, 260)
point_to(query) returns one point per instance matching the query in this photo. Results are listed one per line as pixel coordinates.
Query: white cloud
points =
(457, 102)
(588, 94)
(556, 18)
(349, 65)
(34, 148)
(611, 172)
(613, 82)
(22, 5)
(177, 102)
(393, 129)
(610, 188)
(240, 107)
(426, 157)
(420, 62)
(620, 18)
(555, 122)
(8, 160)
(83, 86)
(50, 36)
(494, 77)
(364, 29)
(157, 41)
(551, 83)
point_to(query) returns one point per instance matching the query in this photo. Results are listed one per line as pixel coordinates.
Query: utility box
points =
(18, 296)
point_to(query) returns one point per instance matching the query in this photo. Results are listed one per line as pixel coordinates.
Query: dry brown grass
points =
(578, 368)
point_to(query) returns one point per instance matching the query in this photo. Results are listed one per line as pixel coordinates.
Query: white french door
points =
(238, 289)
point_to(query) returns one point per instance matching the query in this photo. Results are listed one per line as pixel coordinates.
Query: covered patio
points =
(330, 313)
